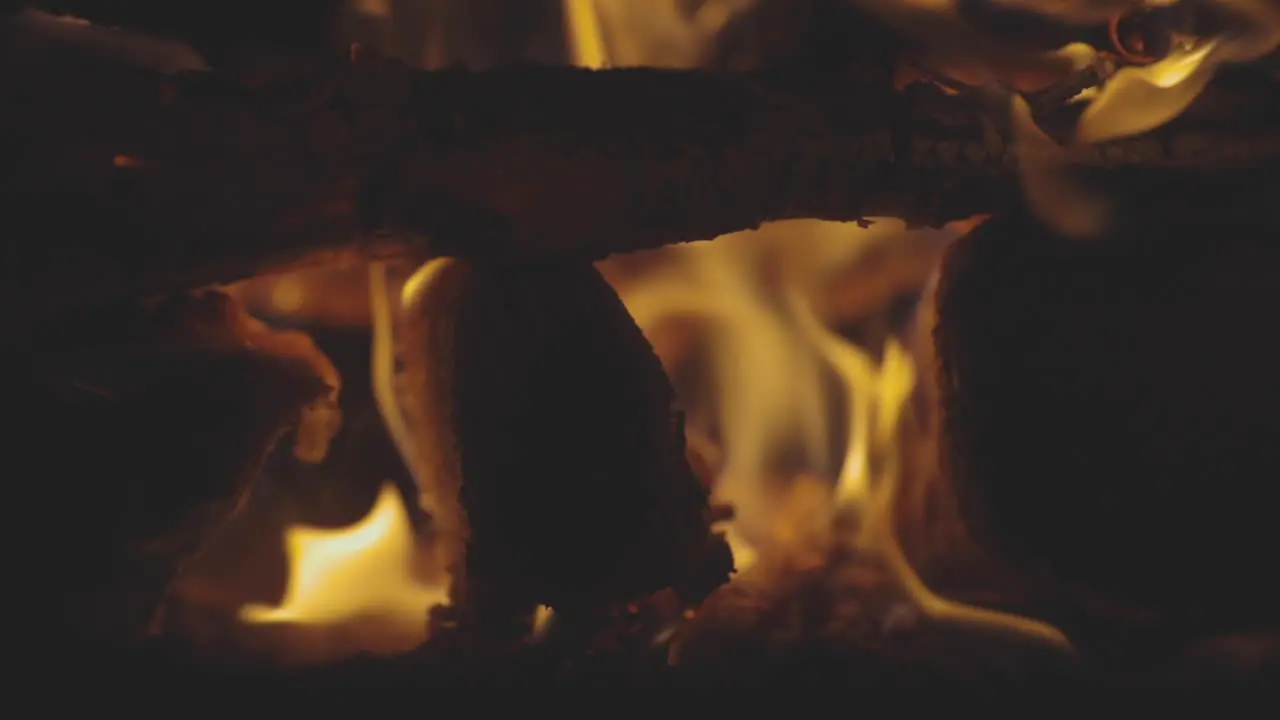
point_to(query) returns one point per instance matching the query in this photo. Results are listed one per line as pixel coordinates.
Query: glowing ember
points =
(359, 571)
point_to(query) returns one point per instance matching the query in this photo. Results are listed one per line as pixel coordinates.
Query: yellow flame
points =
(941, 27)
(769, 349)
(586, 37)
(1138, 99)
(1133, 101)
(364, 570)
(626, 32)
(542, 621)
(1049, 186)
(768, 357)
(362, 577)
(885, 390)
(769, 385)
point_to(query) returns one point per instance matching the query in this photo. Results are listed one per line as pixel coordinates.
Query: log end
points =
(1110, 408)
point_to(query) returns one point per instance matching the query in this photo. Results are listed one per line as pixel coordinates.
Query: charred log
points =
(134, 182)
(555, 458)
(1109, 408)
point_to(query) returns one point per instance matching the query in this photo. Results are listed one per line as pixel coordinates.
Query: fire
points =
(1138, 99)
(582, 23)
(768, 359)
(771, 353)
(361, 571)
(542, 621)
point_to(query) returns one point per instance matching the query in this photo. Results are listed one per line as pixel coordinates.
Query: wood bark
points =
(129, 182)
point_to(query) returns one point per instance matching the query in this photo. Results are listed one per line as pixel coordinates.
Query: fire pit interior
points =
(647, 343)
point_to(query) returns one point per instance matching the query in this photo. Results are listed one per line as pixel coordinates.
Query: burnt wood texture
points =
(134, 182)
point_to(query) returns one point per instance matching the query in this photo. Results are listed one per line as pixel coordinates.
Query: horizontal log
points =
(131, 182)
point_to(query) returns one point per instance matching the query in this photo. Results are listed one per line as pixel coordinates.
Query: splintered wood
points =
(551, 451)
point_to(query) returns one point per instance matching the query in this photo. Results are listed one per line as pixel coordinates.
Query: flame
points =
(364, 570)
(885, 390)
(752, 295)
(1142, 98)
(647, 32)
(362, 576)
(1048, 184)
(768, 363)
(1135, 100)
(582, 25)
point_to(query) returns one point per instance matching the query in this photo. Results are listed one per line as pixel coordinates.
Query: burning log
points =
(548, 449)
(135, 182)
(164, 419)
(1109, 407)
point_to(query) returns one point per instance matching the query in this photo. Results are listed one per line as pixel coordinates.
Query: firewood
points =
(1109, 407)
(549, 444)
(154, 438)
(134, 182)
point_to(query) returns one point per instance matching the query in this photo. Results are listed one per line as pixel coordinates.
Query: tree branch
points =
(133, 182)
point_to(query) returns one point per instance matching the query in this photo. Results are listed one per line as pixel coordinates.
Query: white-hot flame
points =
(1138, 99)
